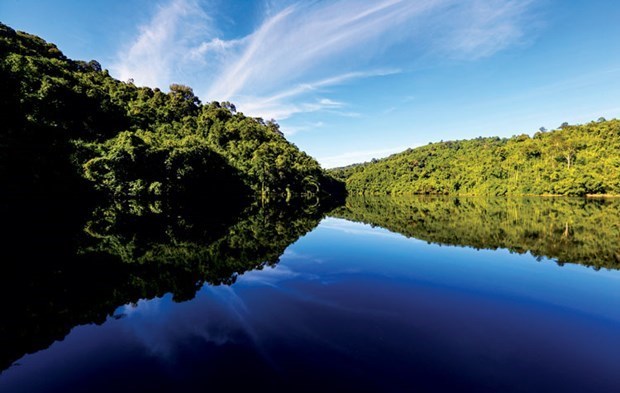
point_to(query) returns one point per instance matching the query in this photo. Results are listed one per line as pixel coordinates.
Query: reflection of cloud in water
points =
(294, 255)
(218, 315)
(148, 322)
(271, 276)
(143, 307)
(355, 228)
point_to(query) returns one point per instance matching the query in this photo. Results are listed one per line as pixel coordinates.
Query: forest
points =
(573, 160)
(68, 126)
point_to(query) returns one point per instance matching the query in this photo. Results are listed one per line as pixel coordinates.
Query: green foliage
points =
(570, 230)
(573, 160)
(147, 165)
(69, 120)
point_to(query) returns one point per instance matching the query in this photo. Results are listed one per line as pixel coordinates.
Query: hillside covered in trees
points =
(67, 123)
(572, 160)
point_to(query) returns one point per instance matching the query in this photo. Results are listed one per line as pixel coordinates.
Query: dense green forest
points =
(572, 160)
(570, 230)
(65, 121)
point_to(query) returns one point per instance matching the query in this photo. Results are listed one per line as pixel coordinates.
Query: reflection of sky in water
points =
(363, 307)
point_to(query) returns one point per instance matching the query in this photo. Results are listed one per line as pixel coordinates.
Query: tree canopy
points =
(572, 160)
(66, 121)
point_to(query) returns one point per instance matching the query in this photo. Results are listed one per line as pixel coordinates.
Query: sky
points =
(352, 80)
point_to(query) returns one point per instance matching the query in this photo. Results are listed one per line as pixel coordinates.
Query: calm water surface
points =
(460, 295)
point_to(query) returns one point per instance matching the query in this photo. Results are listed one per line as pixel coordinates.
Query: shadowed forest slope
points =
(68, 125)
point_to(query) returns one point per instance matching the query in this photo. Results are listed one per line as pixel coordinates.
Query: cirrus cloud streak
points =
(300, 54)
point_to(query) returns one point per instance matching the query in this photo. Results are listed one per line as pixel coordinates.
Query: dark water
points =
(395, 295)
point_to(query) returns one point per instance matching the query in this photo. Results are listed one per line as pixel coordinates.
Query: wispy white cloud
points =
(215, 47)
(299, 54)
(292, 100)
(351, 157)
(159, 54)
(481, 28)
(294, 129)
(303, 37)
(280, 109)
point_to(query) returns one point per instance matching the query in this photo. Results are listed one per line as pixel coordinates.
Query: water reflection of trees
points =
(61, 270)
(569, 230)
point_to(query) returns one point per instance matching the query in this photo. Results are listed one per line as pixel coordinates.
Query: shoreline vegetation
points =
(574, 160)
(602, 196)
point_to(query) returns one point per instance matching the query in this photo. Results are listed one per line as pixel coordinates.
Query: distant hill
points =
(68, 125)
(572, 160)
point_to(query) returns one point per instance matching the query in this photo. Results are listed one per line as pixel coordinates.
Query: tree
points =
(562, 145)
(94, 65)
(182, 101)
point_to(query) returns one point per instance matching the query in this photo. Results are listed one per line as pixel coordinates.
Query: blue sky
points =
(352, 80)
